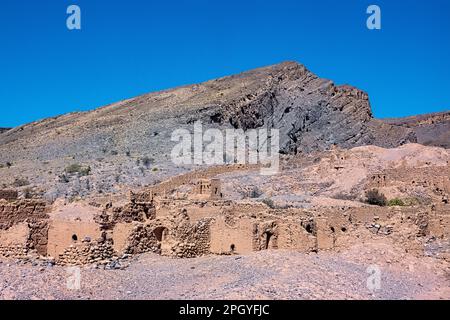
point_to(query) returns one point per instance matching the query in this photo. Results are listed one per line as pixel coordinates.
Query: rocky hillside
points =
(430, 129)
(129, 143)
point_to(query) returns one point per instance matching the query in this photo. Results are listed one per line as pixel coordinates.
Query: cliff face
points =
(311, 114)
(431, 129)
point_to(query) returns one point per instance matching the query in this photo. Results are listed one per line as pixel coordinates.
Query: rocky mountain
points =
(430, 129)
(3, 130)
(129, 143)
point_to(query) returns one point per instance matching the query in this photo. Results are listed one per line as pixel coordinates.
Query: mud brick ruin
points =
(23, 227)
(199, 220)
(435, 178)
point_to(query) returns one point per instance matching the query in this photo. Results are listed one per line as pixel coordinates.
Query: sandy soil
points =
(264, 275)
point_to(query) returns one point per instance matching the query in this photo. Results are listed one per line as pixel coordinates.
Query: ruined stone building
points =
(200, 222)
(435, 180)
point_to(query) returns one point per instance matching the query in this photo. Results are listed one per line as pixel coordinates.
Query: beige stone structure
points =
(434, 179)
(201, 222)
(23, 228)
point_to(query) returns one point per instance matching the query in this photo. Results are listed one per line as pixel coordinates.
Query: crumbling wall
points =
(120, 234)
(294, 236)
(377, 181)
(142, 239)
(86, 252)
(188, 178)
(438, 223)
(38, 236)
(13, 241)
(134, 211)
(191, 239)
(22, 227)
(63, 234)
(232, 235)
(19, 211)
(365, 215)
(265, 236)
(436, 179)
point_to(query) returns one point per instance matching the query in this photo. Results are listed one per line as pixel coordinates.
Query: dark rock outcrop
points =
(431, 129)
(117, 141)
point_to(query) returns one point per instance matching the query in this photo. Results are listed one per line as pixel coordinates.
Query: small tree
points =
(376, 198)
(396, 202)
(255, 193)
(78, 169)
(269, 202)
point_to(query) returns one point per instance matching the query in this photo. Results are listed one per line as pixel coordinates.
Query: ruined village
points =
(98, 191)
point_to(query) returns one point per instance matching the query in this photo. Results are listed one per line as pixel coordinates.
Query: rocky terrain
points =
(338, 177)
(128, 144)
(412, 266)
(430, 129)
(317, 210)
(266, 275)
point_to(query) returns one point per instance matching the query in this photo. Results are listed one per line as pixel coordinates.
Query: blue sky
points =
(127, 48)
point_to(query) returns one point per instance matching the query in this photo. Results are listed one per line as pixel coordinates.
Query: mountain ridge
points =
(312, 114)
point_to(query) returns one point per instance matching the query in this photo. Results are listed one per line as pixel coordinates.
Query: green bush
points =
(78, 169)
(255, 193)
(269, 202)
(376, 198)
(20, 182)
(396, 202)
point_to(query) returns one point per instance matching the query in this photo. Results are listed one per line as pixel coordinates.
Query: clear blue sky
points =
(127, 48)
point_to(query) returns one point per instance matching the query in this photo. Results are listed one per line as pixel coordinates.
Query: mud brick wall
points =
(15, 212)
(38, 238)
(86, 253)
(438, 224)
(29, 215)
(294, 236)
(193, 239)
(142, 239)
(190, 177)
(232, 234)
(131, 212)
(438, 177)
(14, 252)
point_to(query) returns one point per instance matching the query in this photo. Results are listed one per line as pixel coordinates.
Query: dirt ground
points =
(270, 275)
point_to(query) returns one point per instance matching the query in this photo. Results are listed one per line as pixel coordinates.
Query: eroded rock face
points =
(120, 143)
(311, 113)
(431, 129)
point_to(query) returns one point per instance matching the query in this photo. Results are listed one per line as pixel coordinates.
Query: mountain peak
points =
(310, 113)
